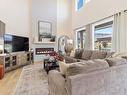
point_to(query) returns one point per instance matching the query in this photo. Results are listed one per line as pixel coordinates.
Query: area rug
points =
(33, 81)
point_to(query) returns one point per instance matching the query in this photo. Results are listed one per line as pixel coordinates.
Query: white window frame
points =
(76, 32)
(99, 23)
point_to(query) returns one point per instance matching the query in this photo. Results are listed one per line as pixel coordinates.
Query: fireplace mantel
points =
(44, 42)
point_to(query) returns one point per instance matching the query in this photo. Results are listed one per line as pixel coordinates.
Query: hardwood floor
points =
(8, 83)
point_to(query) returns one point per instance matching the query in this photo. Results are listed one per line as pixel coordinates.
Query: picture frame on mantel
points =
(44, 30)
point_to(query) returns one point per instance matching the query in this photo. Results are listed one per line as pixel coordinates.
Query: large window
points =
(81, 35)
(103, 36)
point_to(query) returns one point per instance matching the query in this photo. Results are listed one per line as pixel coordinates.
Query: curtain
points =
(119, 39)
(89, 37)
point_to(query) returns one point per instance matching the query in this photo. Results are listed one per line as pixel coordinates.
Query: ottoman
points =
(1, 71)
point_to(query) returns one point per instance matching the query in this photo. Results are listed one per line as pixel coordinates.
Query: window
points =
(103, 36)
(79, 4)
(81, 35)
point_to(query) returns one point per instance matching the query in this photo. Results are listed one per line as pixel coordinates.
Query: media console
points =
(14, 60)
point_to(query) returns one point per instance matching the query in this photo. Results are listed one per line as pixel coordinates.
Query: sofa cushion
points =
(109, 54)
(78, 53)
(86, 54)
(86, 67)
(98, 55)
(116, 61)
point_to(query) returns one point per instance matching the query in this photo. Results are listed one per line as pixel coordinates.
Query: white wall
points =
(96, 10)
(21, 17)
(43, 10)
(64, 18)
(58, 12)
(15, 14)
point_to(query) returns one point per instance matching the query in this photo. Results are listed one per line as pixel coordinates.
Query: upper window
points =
(79, 4)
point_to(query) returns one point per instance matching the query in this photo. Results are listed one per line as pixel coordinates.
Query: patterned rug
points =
(33, 81)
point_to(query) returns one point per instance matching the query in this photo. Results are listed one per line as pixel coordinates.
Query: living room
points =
(54, 47)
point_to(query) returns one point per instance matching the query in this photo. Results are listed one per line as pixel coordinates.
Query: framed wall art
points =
(44, 30)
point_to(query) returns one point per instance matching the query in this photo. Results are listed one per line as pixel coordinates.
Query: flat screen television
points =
(14, 43)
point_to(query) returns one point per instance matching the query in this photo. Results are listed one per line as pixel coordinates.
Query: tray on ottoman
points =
(50, 65)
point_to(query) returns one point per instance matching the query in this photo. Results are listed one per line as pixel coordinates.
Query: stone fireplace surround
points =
(42, 49)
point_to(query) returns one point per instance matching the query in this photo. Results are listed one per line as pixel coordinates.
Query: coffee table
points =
(50, 65)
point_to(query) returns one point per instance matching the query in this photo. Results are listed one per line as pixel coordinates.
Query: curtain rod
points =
(120, 12)
(125, 10)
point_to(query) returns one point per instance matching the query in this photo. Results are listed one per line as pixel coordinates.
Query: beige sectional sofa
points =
(81, 55)
(91, 77)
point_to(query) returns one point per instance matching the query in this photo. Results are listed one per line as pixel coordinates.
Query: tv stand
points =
(15, 60)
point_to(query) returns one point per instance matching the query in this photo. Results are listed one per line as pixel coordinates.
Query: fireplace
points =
(40, 51)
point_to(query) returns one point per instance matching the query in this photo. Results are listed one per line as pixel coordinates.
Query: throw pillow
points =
(110, 54)
(72, 53)
(116, 61)
(78, 53)
(63, 67)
